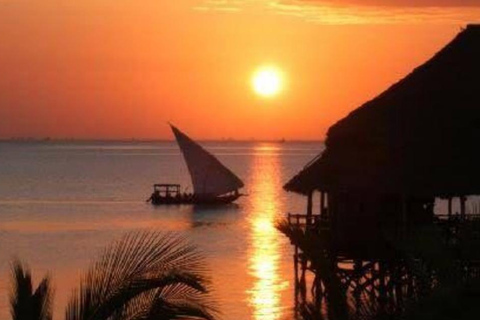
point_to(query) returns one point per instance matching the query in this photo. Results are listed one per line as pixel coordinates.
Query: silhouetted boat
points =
(213, 183)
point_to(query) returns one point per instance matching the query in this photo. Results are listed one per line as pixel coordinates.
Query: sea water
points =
(61, 203)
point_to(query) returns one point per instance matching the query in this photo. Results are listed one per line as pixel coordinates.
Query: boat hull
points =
(195, 200)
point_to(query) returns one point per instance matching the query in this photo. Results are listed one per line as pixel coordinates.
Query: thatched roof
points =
(418, 137)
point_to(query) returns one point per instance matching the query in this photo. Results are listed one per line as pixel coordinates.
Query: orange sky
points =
(123, 68)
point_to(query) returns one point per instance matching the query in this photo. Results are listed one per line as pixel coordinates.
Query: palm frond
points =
(26, 304)
(133, 275)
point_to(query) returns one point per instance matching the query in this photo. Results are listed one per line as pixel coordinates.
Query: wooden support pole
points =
(449, 207)
(303, 279)
(463, 201)
(357, 293)
(309, 207)
(404, 213)
(397, 285)
(297, 280)
(382, 287)
(322, 203)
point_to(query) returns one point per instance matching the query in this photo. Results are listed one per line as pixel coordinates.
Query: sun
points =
(267, 81)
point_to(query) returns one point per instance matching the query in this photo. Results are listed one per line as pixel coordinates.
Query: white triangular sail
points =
(209, 176)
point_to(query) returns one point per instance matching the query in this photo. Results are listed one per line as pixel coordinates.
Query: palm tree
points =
(26, 304)
(144, 275)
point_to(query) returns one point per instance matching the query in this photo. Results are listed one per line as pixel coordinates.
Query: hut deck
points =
(368, 272)
(315, 220)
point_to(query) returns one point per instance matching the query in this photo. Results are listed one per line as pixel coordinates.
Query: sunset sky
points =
(115, 69)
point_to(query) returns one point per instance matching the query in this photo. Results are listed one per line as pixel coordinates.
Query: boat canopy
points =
(209, 175)
(167, 187)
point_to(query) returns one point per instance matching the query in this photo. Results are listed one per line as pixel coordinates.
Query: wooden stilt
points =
(382, 290)
(357, 292)
(297, 280)
(397, 285)
(303, 279)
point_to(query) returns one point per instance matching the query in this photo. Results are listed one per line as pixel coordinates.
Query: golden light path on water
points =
(264, 255)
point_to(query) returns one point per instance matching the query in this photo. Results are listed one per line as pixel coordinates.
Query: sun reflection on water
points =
(264, 254)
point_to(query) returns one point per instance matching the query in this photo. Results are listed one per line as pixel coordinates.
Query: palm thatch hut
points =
(390, 158)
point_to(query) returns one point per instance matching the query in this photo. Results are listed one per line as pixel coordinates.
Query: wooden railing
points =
(457, 217)
(304, 220)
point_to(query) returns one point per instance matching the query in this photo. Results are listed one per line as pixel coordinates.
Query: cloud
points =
(365, 12)
(342, 12)
(221, 5)
(398, 3)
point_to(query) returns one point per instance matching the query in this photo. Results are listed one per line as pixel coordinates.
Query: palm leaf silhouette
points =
(146, 275)
(26, 304)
